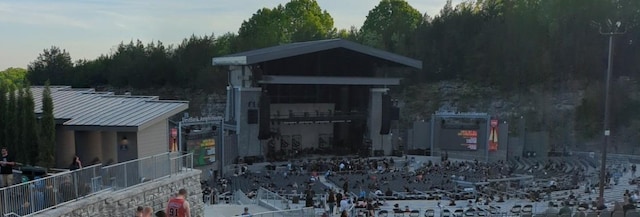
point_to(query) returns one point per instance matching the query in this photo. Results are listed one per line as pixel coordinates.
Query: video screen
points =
(459, 139)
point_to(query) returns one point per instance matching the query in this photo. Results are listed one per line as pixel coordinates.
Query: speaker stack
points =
(265, 117)
(386, 115)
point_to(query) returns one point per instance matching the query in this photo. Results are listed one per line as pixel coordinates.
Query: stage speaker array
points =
(385, 124)
(265, 117)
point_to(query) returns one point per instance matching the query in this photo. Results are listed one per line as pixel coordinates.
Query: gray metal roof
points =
(300, 48)
(285, 79)
(86, 107)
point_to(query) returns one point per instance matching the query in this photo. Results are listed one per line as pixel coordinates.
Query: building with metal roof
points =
(314, 97)
(109, 128)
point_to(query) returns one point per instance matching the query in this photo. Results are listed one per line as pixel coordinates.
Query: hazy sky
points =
(88, 28)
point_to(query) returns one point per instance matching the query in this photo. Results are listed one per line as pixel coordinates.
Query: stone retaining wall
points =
(124, 202)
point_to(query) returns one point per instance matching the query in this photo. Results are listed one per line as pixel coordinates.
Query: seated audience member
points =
(551, 209)
(378, 192)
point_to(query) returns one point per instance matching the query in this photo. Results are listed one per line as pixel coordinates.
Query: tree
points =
(390, 26)
(47, 130)
(263, 29)
(19, 141)
(11, 132)
(298, 20)
(53, 64)
(30, 131)
(191, 57)
(306, 21)
(3, 117)
(12, 78)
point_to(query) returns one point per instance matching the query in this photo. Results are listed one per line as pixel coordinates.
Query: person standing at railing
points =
(6, 168)
(75, 163)
(179, 206)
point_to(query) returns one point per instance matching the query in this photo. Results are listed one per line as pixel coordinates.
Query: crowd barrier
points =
(61, 188)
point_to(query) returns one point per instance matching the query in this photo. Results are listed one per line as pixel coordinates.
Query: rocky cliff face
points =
(545, 108)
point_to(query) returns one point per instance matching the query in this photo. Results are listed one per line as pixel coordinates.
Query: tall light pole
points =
(614, 30)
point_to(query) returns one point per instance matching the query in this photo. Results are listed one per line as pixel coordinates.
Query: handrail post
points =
(155, 168)
(126, 178)
(33, 202)
(4, 195)
(75, 183)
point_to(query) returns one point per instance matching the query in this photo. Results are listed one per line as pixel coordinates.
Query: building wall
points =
(109, 147)
(131, 150)
(153, 139)
(88, 147)
(65, 147)
(124, 203)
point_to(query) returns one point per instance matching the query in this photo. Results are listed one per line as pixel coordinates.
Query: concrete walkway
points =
(225, 210)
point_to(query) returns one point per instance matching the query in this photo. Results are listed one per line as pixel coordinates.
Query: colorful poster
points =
(173, 140)
(493, 136)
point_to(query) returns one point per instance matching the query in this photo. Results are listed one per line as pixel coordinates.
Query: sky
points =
(88, 28)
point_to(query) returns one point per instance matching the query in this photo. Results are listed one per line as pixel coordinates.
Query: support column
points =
(378, 141)
(65, 147)
(109, 148)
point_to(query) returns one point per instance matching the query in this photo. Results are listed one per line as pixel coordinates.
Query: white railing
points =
(50, 192)
(131, 173)
(241, 198)
(304, 212)
(59, 189)
(181, 163)
(271, 199)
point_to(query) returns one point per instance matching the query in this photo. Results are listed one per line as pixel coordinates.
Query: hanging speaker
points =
(385, 124)
(265, 117)
(395, 113)
(252, 116)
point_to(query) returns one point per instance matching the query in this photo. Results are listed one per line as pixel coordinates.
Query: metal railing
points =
(50, 192)
(241, 198)
(304, 212)
(181, 163)
(62, 188)
(130, 173)
(266, 197)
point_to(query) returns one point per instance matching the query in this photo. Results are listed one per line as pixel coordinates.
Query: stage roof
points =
(86, 109)
(301, 48)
